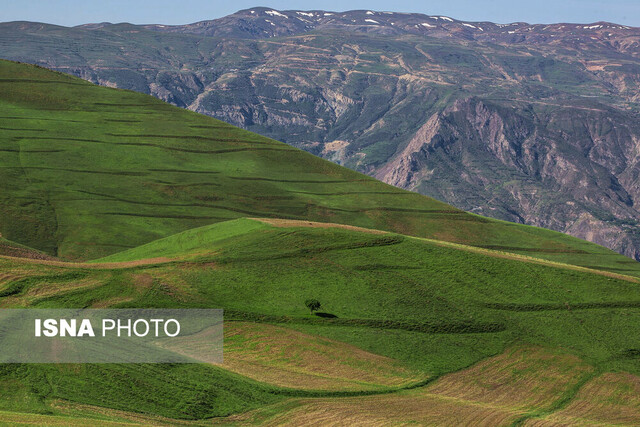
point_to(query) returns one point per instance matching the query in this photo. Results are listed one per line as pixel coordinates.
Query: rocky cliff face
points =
(529, 123)
(516, 165)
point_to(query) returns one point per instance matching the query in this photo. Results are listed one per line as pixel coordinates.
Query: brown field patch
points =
(288, 358)
(89, 415)
(496, 391)
(208, 265)
(17, 418)
(522, 378)
(285, 223)
(45, 289)
(169, 283)
(406, 408)
(612, 398)
(142, 281)
(13, 272)
(11, 302)
(8, 277)
(20, 252)
(96, 266)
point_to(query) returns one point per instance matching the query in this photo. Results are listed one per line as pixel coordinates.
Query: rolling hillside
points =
(427, 311)
(438, 330)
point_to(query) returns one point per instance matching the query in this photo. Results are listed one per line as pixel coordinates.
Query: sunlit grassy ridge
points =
(190, 242)
(87, 171)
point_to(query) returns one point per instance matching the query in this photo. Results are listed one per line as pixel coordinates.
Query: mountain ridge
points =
(362, 19)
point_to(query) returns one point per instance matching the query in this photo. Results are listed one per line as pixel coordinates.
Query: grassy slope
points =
(87, 171)
(363, 278)
(533, 385)
(282, 356)
(608, 399)
(434, 309)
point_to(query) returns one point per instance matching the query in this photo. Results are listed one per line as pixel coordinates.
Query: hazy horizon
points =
(75, 12)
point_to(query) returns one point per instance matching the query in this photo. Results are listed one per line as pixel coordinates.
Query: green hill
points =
(423, 305)
(390, 281)
(430, 307)
(87, 171)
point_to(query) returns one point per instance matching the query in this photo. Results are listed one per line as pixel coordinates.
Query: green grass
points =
(368, 279)
(405, 286)
(88, 171)
(190, 242)
(175, 391)
(435, 309)
(116, 176)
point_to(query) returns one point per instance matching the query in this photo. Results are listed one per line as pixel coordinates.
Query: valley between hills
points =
(430, 315)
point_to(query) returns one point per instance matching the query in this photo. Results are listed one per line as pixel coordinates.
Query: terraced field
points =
(500, 391)
(608, 399)
(428, 314)
(474, 396)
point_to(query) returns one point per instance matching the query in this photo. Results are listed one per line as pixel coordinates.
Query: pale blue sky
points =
(74, 12)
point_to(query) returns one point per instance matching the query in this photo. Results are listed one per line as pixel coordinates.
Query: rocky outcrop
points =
(522, 168)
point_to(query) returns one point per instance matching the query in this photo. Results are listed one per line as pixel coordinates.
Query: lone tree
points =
(313, 304)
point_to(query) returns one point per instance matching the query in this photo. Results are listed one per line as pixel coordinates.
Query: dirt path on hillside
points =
(97, 266)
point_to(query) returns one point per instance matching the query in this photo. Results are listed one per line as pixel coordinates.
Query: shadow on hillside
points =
(326, 315)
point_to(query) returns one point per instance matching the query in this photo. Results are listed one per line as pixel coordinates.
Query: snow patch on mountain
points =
(275, 13)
